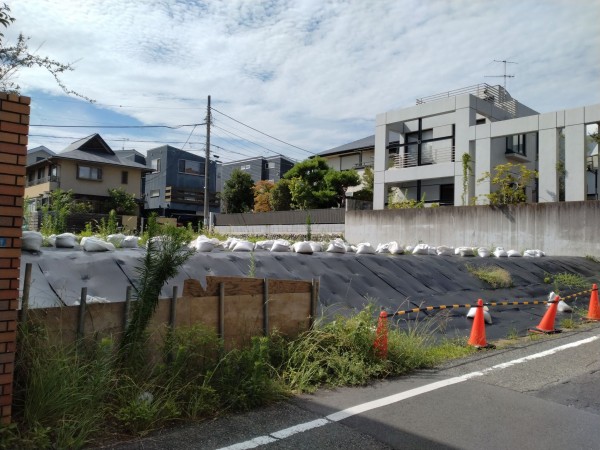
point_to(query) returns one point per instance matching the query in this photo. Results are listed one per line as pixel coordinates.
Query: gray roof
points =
(38, 154)
(91, 149)
(362, 144)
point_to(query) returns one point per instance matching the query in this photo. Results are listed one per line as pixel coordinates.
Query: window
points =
(89, 173)
(31, 175)
(155, 192)
(53, 170)
(516, 144)
(41, 173)
(155, 164)
(246, 167)
(124, 177)
(191, 167)
(480, 122)
(270, 165)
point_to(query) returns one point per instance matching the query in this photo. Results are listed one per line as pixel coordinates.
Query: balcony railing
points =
(428, 156)
(50, 179)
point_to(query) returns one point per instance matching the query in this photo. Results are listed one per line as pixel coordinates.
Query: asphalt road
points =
(540, 394)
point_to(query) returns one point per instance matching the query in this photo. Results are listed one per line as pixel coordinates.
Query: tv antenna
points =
(505, 76)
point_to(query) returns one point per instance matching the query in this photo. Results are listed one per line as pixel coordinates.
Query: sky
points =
(305, 75)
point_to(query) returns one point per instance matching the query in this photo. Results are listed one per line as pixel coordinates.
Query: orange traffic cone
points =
(546, 326)
(594, 311)
(381, 336)
(477, 338)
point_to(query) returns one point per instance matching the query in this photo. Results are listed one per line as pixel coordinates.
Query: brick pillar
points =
(14, 128)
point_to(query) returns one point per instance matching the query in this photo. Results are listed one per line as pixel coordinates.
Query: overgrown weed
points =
(495, 276)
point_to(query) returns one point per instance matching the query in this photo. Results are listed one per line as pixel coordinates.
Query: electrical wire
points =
(176, 127)
(261, 132)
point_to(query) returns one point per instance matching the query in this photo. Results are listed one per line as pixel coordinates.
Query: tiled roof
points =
(364, 143)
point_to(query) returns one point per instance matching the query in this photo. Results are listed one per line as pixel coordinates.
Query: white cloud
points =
(314, 73)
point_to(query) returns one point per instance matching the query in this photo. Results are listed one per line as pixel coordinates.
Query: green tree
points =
(281, 197)
(339, 182)
(511, 181)
(313, 184)
(121, 201)
(17, 56)
(368, 183)
(262, 195)
(238, 192)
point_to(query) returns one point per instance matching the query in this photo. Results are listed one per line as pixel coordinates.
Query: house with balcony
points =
(175, 185)
(419, 150)
(357, 155)
(270, 168)
(88, 167)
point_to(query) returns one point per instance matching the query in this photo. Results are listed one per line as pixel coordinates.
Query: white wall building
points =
(419, 150)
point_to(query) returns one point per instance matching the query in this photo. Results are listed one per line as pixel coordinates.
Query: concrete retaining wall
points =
(565, 228)
(266, 230)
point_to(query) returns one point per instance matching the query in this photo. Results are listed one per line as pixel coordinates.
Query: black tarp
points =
(347, 281)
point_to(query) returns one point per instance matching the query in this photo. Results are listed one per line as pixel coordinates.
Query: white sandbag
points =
(562, 306)
(500, 252)
(89, 299)
(513, 254)
(483, 252)
(421, 249)
(230, 243)
(303, 247)
(243, 246)
(486, 314)
(465, 251)
(116, 239)
(395, 248)
(316, 246)
(202, 244)
(533, 253)
(365, 248)
(431, 250)
(442, 250)
(264, 245)
(130, 242)
(65, 240)
(350, 248)
(31, 241)
(94, 244)
(336, 246)
(50, 240)
(409, 249)
(383, 248)
(280, 245)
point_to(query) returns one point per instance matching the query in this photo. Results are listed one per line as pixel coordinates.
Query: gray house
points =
(271, 168)
(175, 187)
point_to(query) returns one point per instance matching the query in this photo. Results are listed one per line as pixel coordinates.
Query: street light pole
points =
(206, 225)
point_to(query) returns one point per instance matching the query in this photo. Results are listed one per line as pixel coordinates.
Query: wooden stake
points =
(81, 319)
(127, 308)
(266, 306)
(26, 287)
(222, 310)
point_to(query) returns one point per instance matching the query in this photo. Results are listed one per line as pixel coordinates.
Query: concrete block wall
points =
(14, 129)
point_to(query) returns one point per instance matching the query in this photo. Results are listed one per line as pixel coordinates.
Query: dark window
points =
(124, 177)
(31, 175)
(516, 144)
(191, 167)
(41, 173)
(89, 173)
(479, 121)
(446, 194)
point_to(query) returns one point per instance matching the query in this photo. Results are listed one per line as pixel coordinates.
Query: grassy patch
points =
(566, 280)
(73, 396)
(592, 258)
(495, 276)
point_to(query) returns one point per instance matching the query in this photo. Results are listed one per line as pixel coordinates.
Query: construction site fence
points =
(235, 308)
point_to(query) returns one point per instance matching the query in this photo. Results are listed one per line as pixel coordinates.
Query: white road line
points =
(358, 409)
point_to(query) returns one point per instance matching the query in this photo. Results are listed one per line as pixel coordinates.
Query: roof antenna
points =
(505, 76)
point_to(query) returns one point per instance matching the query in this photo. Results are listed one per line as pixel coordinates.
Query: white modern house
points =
(419, 150)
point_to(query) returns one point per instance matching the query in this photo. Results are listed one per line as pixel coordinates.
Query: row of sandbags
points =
(483, 252)
(34, 240)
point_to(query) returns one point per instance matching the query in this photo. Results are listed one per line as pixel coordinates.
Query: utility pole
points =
(206, 166)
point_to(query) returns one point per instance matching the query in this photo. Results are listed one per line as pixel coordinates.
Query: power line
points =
(237, 135)
(113, 140)
(261, 132)
(176, 127)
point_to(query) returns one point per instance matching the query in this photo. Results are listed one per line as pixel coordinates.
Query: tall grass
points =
(67, 396)
(495, 276)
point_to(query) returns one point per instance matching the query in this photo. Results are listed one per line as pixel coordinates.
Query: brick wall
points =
(14, 128)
